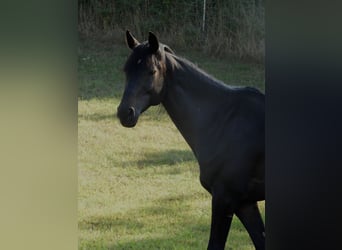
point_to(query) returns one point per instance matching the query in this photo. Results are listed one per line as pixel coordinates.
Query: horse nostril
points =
(131, 112)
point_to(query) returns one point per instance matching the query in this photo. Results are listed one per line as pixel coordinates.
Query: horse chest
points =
(210, 172)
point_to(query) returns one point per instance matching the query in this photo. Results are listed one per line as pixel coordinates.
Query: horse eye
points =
(152, 72)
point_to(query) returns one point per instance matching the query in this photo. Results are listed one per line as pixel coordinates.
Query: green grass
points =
(139, 187)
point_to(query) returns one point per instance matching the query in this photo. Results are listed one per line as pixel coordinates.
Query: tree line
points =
(234, 27)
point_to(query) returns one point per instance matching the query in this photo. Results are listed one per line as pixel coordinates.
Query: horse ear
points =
(168, 49)
(153, 42)
(131, 41)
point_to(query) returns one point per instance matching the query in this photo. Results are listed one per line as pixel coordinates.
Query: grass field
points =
(139, 187)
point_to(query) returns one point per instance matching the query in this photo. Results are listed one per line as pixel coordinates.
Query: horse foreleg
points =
(250, 217)
(221, 219)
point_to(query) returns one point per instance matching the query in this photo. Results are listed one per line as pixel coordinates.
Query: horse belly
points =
(256, 190)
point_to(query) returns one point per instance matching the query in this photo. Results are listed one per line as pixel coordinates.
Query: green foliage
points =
(232, 26)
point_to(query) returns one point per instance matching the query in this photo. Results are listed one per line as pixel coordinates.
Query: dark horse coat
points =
(223, 125)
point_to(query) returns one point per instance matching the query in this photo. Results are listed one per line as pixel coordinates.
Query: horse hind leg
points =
(250, 217)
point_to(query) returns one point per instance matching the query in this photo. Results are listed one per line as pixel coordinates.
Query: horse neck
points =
(191, 96)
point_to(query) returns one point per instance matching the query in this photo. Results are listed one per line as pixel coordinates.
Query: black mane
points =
(186, 65)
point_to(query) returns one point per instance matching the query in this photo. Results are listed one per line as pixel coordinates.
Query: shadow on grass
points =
(97, 117)
(168, 157)
(130, 218)
(105, 223)
(168, 223)
(164, 225)
(189, 237)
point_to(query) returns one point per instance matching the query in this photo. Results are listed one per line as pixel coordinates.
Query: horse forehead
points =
(141, 51)
(137, 61)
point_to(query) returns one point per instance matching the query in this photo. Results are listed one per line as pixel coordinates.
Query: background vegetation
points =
(234, 27)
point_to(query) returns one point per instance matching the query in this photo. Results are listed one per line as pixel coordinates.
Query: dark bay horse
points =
(224, 126)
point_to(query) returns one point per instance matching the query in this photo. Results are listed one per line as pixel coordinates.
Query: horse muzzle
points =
(128, 116)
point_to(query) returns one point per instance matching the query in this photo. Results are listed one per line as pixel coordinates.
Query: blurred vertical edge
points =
(303, 125)
(38, 125)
